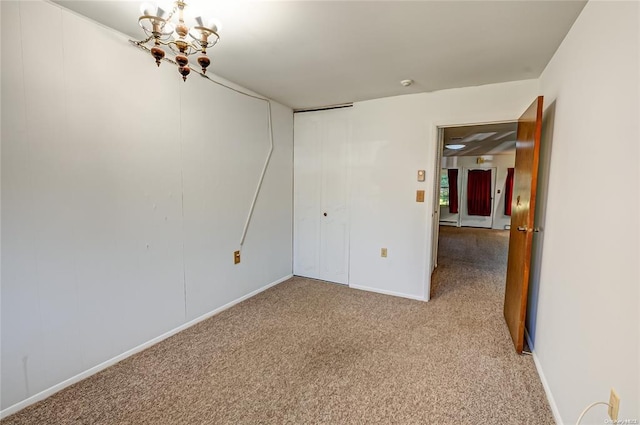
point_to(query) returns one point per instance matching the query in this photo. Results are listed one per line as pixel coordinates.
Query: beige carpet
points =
(312, 352)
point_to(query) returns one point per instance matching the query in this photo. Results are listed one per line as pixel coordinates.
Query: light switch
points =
(420, 196)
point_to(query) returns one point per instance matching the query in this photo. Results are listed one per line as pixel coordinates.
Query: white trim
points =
(545, 384)
(449, 124)
(449, 223)
(528, 338)
(434, 223)
(385, 292)
(83, 375)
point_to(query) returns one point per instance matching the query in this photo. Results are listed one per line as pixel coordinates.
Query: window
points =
(444, 188)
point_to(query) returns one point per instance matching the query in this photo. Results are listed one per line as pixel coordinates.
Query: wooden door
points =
(522, 225)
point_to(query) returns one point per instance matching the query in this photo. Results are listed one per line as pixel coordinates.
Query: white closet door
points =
(306, 195)
(334, 230)
(321, 230)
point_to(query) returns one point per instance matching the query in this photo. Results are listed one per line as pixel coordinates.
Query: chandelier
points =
(161, 30)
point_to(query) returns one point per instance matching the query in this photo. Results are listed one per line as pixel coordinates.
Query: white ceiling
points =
(316, 53)
(485, 139)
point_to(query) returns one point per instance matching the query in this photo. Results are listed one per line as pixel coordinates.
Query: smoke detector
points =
(406, 83)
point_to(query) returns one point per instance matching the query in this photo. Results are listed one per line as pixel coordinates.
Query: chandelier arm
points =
(145, 41)
(190, 50)
(141, 46)
(160, 41)
(210, 33)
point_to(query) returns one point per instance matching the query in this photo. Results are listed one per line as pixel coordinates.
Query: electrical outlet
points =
(383, 252)
(236, 257)
(614, 405)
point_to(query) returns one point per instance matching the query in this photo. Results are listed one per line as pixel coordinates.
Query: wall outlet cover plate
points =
(614, 405)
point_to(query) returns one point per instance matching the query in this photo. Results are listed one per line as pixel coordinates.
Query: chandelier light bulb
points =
(148, 9)
(161, 12)
(199, 21)
(212, 25)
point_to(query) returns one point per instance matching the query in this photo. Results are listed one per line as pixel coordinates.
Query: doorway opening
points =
(519, 200)
(474, 182)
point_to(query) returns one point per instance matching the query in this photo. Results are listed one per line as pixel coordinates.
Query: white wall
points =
(124, 195)
(587, 320)
(501, 163)
(392, 138)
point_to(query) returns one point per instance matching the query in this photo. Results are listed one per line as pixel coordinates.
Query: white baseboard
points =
(449, 223)
(545, 384)
(386, 292)
(83, 375)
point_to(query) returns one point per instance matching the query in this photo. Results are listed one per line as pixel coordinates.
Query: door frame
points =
(435, 216)
(432, 238)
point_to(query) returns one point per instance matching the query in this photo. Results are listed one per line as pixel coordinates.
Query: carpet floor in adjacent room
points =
(311, 352)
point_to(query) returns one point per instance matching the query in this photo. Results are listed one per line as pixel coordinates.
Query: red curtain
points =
(452, 176)
(508, 191)
(479, 192)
